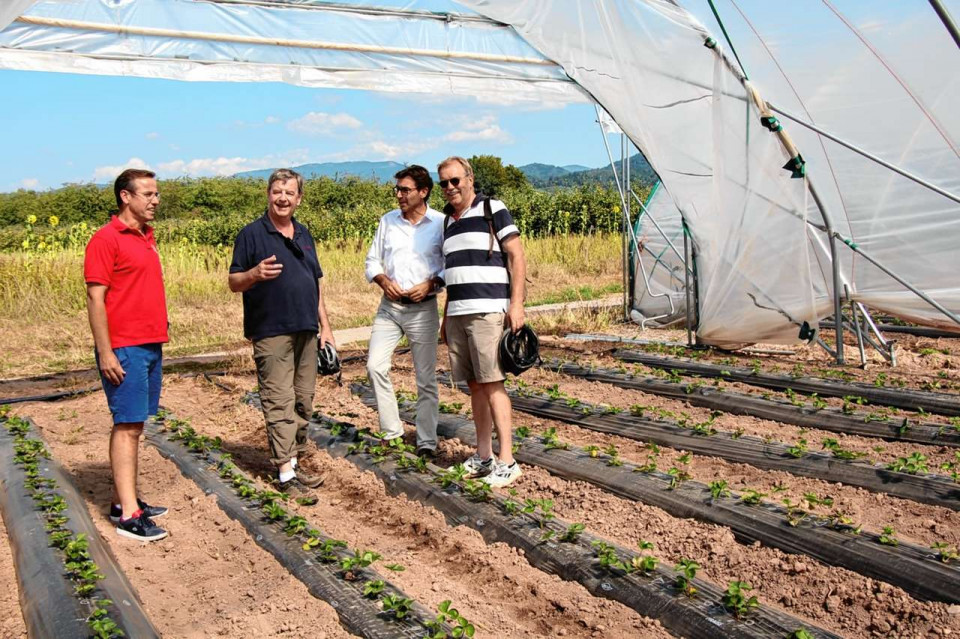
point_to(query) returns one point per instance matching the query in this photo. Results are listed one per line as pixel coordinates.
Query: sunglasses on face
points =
(454, 181)
(403, 190)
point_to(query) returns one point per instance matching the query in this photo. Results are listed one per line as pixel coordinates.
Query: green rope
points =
(716, 14)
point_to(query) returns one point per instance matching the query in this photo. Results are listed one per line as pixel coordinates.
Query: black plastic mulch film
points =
(358, 614)
(780, 411)
(912, 568)
(702, 616)
(940, 403)
(936, 490)
(47, 600)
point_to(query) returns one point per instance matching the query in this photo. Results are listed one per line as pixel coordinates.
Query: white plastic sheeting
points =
(884, 76)
(646, 63)
(307, 44)
(659, 284)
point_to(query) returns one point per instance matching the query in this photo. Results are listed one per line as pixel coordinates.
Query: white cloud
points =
(29, 183)
(477, 129)
(221, 166)
(320, 123)
(153, 135)
(271, 119)
(110, 172)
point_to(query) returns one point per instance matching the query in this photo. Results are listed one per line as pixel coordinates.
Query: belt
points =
(407, 301)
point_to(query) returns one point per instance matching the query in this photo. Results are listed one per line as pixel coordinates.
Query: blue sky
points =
(62, 128)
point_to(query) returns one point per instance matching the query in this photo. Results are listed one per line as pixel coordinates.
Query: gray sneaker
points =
(309, 480)
(477, 466)
(296, 490)
(502, 474)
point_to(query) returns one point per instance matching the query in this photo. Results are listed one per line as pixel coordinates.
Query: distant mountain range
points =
(540, 175)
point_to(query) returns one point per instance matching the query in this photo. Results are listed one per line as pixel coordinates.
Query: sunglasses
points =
(454, 181)
(294, 247)
(403, 190)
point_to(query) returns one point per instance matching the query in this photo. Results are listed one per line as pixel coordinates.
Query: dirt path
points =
(11, 620)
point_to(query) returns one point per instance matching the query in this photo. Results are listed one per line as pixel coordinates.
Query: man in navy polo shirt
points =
(276, 268)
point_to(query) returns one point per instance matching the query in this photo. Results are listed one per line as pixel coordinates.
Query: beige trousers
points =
(287, 373)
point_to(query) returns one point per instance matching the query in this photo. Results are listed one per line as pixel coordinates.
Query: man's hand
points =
(111, 368)
(268, 269)
(515, 317)
(390, 288)
(419, 292)
(326, 336)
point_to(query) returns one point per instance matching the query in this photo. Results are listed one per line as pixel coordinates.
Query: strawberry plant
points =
(688, 571)
(795, 514)
(511, 507)
(477, 490)
(839, 520)
(295, 526)
(793, 398)
(888, 538)
(373, 588)
(395, 567)
(545, 506)
(521, 431)
(752, 497)
(606, 555)
(360, 560)
(593, 450)
(677, 476)
(818, 402)
(814, 500)
(274, 511)
(945, 553)
(798, 449)
(396, 606)
(100, 623)
(453, 475)
(613, 456)
(645, 563)
(718, 489)
(637, 410)
(551, 441)
(914, 464)
(449, 614)
(736, 600)
(831, 444)
(572, 533)
(452, 408)
(850, 403)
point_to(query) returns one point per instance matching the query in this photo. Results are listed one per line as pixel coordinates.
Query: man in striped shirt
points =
(484, 269)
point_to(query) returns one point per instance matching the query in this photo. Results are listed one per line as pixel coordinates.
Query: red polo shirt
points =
(127, 262)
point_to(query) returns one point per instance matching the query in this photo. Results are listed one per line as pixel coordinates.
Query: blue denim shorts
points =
(138, 395)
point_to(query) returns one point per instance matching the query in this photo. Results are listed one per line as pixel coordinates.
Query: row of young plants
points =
(939, 382)
(854, 417)
(448, 622)
(79, 567)
(636, 424)
(932, 402)
(735, 599)
(794, 512)
(822, 531)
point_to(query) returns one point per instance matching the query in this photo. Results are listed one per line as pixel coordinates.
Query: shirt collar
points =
(117, 224)
(268, 225)
(479, 197)
(425, 218)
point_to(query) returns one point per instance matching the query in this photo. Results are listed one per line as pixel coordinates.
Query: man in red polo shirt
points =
(128, 316)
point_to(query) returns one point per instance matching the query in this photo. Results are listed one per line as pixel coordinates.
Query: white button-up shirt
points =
(407, 253)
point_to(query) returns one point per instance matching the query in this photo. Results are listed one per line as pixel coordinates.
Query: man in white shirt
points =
(406, 261)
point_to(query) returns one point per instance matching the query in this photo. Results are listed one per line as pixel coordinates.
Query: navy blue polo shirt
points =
(287, 304)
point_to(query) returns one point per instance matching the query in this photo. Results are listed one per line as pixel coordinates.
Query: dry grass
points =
(43, 323)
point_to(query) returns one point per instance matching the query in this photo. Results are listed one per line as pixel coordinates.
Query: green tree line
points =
(210, 211)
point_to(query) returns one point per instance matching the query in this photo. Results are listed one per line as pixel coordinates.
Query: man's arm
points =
(517, 266)
(97, 314)
(268, 269)
(326, 331)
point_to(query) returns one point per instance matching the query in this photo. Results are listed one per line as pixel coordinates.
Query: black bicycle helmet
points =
(519, 351)
(328, 362)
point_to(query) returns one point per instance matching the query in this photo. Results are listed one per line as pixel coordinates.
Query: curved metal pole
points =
(947, 20)
(866, 154)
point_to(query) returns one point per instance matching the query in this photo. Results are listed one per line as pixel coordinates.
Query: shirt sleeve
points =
(99, 261)
(373, 265)
(503, 223)
(242, 253)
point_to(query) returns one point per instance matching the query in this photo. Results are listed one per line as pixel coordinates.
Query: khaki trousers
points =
(287, 374)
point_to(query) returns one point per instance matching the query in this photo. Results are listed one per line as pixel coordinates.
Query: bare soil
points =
(209, 578)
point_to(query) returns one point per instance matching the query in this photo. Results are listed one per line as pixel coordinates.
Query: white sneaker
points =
(477, 466)
(503, 475)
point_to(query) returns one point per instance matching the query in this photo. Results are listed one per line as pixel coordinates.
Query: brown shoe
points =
(297, 491)
(308, 480)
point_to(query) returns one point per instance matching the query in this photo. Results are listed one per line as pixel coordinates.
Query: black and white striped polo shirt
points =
(476, 283)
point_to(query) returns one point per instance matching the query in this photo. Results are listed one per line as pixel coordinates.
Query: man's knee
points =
(133, 430)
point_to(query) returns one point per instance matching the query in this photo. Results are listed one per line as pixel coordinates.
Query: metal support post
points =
(947, 20)
(687, 288)
(835, 268)
(856, 326)
(627, 226)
